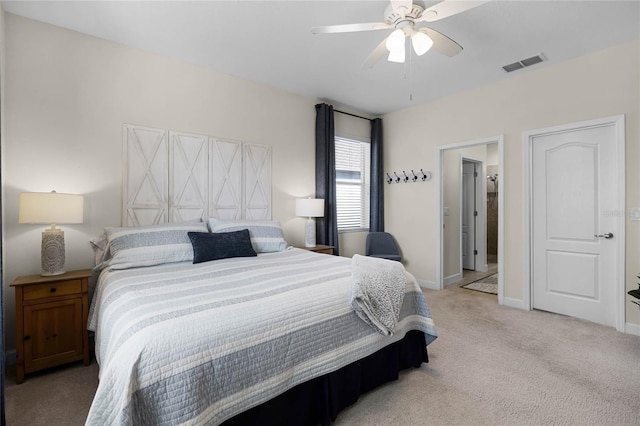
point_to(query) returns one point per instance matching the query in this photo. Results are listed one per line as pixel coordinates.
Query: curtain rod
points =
(353, 115)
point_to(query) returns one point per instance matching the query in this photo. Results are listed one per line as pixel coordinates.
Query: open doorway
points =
(470, 219)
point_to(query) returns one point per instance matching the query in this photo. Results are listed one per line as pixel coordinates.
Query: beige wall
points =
(492, 154)
(602, 84)
(69, 94)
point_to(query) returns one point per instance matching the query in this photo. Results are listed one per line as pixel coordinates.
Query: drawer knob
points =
(53, 290)
(27, 337)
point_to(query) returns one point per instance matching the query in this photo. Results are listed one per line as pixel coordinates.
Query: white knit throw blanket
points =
(377, 290)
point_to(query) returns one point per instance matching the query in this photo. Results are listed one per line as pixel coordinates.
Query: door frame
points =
(527, 263)
(480, 226)
(440, 206)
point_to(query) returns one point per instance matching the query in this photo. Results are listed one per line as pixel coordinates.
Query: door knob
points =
(608, 235)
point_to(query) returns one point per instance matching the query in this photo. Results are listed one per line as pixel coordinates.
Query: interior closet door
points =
(468, 215)
(574, 252)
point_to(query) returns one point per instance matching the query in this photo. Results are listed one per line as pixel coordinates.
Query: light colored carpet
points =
(490, 365)
(486, 285)
(497, 365)
(55, 397)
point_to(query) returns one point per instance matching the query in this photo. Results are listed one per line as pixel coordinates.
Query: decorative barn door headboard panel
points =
(145, 180)
(170, 177)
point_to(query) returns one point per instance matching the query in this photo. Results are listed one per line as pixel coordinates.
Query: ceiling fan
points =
(405, 18)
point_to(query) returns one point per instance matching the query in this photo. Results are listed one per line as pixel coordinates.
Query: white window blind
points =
(352, 184)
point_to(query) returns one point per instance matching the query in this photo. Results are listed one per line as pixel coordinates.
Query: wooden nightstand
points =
(51, 320)
(319, 248)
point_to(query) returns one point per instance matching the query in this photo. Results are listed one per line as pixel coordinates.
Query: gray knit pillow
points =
(151, 245)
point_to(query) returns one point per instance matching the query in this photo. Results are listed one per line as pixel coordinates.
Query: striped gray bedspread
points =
(197, 344)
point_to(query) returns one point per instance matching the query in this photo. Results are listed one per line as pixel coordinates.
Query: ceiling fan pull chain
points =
(410, 74)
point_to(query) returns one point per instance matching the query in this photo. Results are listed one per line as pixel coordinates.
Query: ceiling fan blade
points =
(441, 43)
(350, 28)
(401, 6)
(448, 8)
(378, 53)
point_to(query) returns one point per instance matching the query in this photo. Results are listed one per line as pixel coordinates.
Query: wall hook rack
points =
(394, 177)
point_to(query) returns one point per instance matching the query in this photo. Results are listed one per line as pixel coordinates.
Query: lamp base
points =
(310, 233)
(52, 254)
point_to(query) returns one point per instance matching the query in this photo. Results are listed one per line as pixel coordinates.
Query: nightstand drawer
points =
(58, 288)
(320, 248)
(325, 251)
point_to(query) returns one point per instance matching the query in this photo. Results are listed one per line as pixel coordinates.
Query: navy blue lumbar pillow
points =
(221, 245)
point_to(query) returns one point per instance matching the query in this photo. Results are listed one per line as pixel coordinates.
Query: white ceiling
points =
(270, 41)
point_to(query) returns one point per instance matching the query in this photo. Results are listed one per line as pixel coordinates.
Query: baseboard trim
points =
(452, 278)
(431, 285)
(630, 328)
(514, 303)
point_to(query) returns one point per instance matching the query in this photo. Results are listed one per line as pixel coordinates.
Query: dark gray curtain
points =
(376, 207)
(327, 226)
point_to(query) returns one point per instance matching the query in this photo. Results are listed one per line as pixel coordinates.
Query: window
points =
(352, 184)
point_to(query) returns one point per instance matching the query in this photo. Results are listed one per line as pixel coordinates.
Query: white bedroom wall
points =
(492, 154)
(602, 84)
(67, 97)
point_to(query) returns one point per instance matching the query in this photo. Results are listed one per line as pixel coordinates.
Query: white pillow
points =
(266, 235)
(100, 246)
(151, 245)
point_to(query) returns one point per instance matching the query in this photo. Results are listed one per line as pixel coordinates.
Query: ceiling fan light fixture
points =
(395, 41)
(397, 56)
(421, 43)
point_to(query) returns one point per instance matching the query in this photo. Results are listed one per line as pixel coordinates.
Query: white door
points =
(468, 215)
(574, 252)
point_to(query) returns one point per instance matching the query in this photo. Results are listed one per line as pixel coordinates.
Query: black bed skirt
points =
(318, 401)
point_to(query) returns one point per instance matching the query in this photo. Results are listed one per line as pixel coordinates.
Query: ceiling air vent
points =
(524, 63)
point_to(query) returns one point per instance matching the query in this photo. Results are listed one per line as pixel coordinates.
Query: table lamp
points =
(51, 208)
(310, 208)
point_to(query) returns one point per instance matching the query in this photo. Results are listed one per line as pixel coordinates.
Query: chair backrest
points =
(380, 243)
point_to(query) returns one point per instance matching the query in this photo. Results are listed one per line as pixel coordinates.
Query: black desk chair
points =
(382, 244)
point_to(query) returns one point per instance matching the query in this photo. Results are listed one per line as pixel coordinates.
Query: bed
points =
(269, 337)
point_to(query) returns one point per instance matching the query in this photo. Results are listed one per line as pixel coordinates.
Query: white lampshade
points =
(397, 56)
(50, 208)
(421, 43)
(395, 41)
(309, 207)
